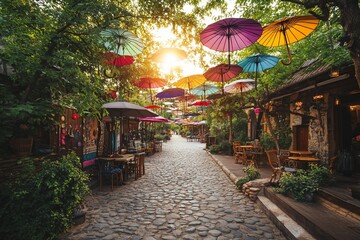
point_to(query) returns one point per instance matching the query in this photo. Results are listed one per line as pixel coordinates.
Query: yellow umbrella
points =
(286, 31)
(190, 82)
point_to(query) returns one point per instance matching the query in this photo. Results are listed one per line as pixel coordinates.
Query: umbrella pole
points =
(256, 75)
(288, 51)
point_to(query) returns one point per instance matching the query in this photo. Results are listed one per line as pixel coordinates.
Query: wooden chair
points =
(107, 169)
(276, 166)
(256, 155)
(283, 157)
(247, 156)
(237, 152)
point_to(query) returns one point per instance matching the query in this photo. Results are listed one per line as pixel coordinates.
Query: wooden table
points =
(304, 160)
(301, 153)
(122, 159)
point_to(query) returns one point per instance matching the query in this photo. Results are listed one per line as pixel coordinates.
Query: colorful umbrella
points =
(127, 109)
(286, 31)
(204, 89)
(154, 119)
(121, 41)
(222, 73)
(190, 82)
(165, 54)
(153, 107)
(150, 83)
(231, 34)
(171, 93)
(258, 63)
(116, 60)
(239, 86)
(200, 103)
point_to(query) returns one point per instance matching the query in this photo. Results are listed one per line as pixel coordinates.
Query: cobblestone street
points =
(183, 195)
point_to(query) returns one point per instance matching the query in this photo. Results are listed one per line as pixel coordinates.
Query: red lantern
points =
(75, 116)
(257, 111)
(113, 94)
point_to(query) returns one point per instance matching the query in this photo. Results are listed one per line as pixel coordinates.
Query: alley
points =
(184, 195)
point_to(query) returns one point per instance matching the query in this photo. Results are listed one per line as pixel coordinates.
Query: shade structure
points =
(122, 42)
(190, 81)
(286, 31)
(171, 93)
(155, 119)
(127, 109)
(205, 89)
(200, 103)
(258, 63)
(164, 55)
(239, 86)
(117, 60)
(222, 73)
(231, 34)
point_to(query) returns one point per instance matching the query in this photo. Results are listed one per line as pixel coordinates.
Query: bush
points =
(251, 173)
(215, 148)
(226, 147)
(40, 205)
(303, 184)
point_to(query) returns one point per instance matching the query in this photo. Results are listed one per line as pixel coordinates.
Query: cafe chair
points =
(277, 168)
(247, 156)
(135, 166)
(107, 169)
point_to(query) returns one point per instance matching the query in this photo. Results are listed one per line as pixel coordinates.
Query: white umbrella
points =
(239, 86)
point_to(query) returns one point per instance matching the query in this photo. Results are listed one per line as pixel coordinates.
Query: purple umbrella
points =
(231, 34)
(171, 93)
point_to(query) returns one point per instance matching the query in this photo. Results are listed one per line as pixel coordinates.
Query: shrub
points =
(215, 148)
(251, 173)
(40, 205)
(226, 147)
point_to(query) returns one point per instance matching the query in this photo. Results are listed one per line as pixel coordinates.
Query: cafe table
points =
(123, 160)
(304, 160)
(301, 153)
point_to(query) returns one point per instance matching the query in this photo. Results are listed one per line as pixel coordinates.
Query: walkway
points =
(184, 195)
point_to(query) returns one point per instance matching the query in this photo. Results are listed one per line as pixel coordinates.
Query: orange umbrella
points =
(286, 31)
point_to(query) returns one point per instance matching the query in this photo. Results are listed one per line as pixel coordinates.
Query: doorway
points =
(301, 137)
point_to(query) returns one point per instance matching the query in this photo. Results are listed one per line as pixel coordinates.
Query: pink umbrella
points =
(154, 119)
(231, 34)
(117, 60)
(222, 73)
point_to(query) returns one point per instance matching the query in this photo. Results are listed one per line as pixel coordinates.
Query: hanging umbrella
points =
(286, 31)
(231, 34)
(205, 89)
(127, 109)
(153, 107)
(222, 73)
(239, 86)
(258, 63)
(122, 42)
(171, 93)
(150, 83)
(190, 82)
(117, 60)
(165, 54)
(154, 119)
(200, 103)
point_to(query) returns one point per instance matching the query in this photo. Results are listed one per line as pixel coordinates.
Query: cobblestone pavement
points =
(184, 195)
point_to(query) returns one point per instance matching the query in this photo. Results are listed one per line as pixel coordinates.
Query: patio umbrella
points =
(258, 63)
(204, 89)
(127, 109)
(231, 34)
(163, 55)
(117, 60)
(222, 73)
(150, 83)
(239, 86)
(171, 93)
(286, 31)
(122, 42)
(190, 82)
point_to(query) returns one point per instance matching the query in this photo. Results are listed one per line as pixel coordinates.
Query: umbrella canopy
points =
(239, 86)
(116, 60)
(122, 42)
(222, 73)
(165, 54)
(127, 109)
(288, 30)
(258, 63)
(153, 107)
(150, 82)
(154, 119)
(190, 82)
(171, 93)
(231, 34)
(200, 103)
(204, 89)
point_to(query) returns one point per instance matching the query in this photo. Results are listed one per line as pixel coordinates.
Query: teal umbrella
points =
(258, 63)
(121, 42)
(205, 89)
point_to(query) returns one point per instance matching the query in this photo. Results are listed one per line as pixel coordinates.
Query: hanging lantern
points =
(257, 111)
(113, 94)
(75, 116)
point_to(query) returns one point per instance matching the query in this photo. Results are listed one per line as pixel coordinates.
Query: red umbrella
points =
(200, 103)
(150, 82)
(153, 107)
(117, 60)
(222, 73)
(231, 34)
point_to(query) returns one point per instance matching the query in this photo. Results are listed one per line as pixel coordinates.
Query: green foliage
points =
(159, 137)
(40, 204)
(266, 141)
(304, 182)
(214, 149)
(251, 173)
